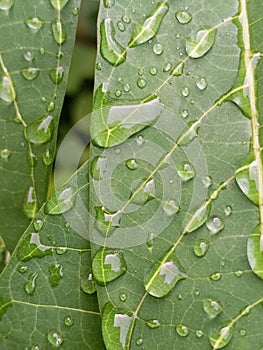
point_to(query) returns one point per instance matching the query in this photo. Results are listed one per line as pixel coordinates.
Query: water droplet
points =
(28, 56)
(215, 224)
(185, 91)
(212, 308)
(153, 323)
(38, 224)
(163, 276)
(30, 285)
(60, 202)
(228, 210)
(57, 74)
(126, 87)
(30, 203)
(216, 276)
(59, 4)
(182, 330)
(158, 49)
(198, 217)
(55, 274)
(167, 67)
(170, 207)
(201, 247)
(131, 164)
(141, 83)
(61, 250)
(31, 247)
(178, 69)
(126, 19)
(139, 341)
(7, 92)
(30, 73)
(22, 269)
(68, 321)
(110, 49)
(6, 4)
(140, 140)
(50, 107)
(185, 113)
(143, 192)
(98, 66)
(183, 17)
(149, 28)
(199, 43)
(5, 153)
(42, 50)
(107, 221)
(153, 70)
(201, 83)
(207, 181)
(123, 297)
(255, 251)
(98, 167)
(239, 273)
(186, 171)
(34, 23)
(118, 93)
(121, 26)
(221, 338)
(59, 31)
(40, 131)
(54, 338)
(107, 265)
(47, 158)
(75, 11)
(88, 285)
(247, 180)
(243, 332)
(108, 3)
(199, 333)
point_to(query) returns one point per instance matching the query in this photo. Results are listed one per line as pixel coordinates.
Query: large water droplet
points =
(149, 28)
(186, 171)
(183, 17)
(170, 207)
(143, 192)
(107, 265)
(163, 276)
(30, 73)
(212, 308)
(40, 131)
(117, 326)
(22, 269)
(30, 285)
(34, 23)
(55, 338)
(6, 4)
(98, 167)
(61, 202)
(55, 274)
(255, 252)
(31, 247)
(56, 74)
(221, 338)
(88, 285)
(182, 330)
(201, 247)
(131, 164)
(108, 3)
(215, 224)
(30, 203)
(107, 221)
(59, 4)
(201, 83)
(153, 323)
(199, 43)
(7, 92)
(247, 180)
(198, 217)
(178, 69)
(59, 31)
(110, 49)
(158, 49)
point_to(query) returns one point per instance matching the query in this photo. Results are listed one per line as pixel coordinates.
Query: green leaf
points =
(34, 61)
(202, 61)
(45, 284)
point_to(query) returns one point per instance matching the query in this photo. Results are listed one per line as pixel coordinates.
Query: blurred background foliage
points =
(79, 94)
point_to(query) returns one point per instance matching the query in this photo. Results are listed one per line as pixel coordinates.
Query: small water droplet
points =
(6, 4)
(140, 140)
(68, 321)
(30, 73)
(199, 43)
(243, 332)
(167, 67)
(143, 192)
(47, 158)
(121, 26)
(185, 91)
(118, 93)
(22, 269)
(178, 69)
(201, 247)
(106, 221)
(221, 338)
(198, 217)
(141, 71)
(145, 31)
(108, 3)
(107, 265)
(158, 49)
(54, 338)
(183, 17)
(207, 181)
(153, 323)
(201, 83)
(40, 131)
(7, 92)
(123, 297)
(57, 74)
(75, 11)
(215, 224)
(182, 330)
(153, 70)
(199, 333)
(98, 66)
(212, 308)
(126, 87)
(30, 285)
(60, 202)
(228, 210)
(239, 273)
(141, 83)
(59, 31)
(38, 224)
(170, 207)
(186, 171)
(30, 203)
(110, 49)
(28, 56)
(51, 106)
(59, 4)
(88, 285)
(139, 341)
(34, 23)
(131, 164)
(55, 274)
(126, 19)
(185, 113)
(5, 153)
(61, 250)
(216, 276)
(42, 50)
